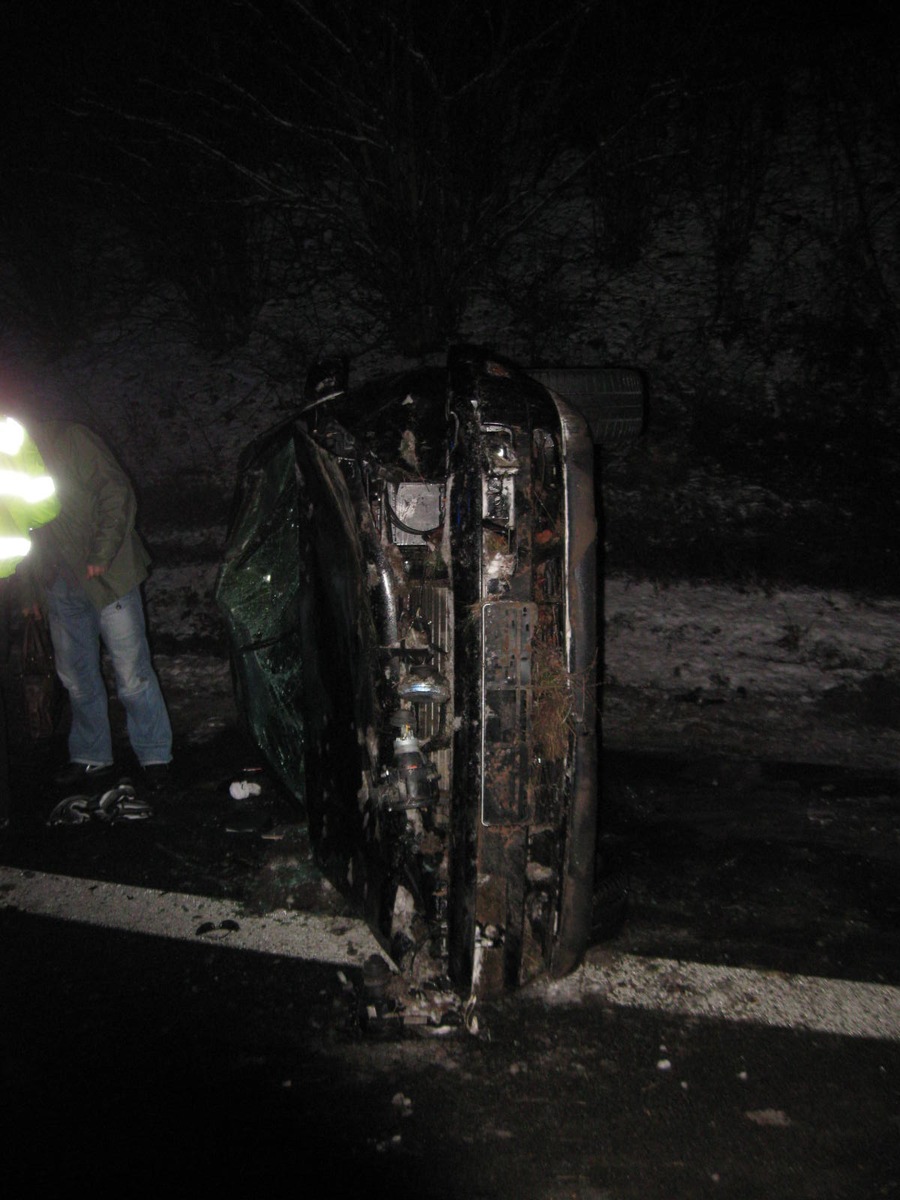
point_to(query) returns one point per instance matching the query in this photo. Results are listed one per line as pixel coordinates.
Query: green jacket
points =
(95, 526)
(27, 494)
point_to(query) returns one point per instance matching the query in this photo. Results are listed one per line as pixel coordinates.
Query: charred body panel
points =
(432, 541)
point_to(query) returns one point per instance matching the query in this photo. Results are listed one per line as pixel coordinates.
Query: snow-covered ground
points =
(800, 675)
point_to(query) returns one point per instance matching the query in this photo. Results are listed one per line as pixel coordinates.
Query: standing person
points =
(27, 500)
(90, 564)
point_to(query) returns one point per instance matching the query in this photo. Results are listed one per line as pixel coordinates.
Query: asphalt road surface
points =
(185, 1003)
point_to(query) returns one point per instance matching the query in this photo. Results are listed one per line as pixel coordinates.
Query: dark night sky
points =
(74, 77)
(55, 57)
(55, 54)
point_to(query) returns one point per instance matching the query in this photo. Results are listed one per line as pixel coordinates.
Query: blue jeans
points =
(77, 629)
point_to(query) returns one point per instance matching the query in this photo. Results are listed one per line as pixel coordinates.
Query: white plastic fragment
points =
(241, 789)
(772, 1117)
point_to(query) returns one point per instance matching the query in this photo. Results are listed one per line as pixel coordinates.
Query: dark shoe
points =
(78, 774)
(155, 776)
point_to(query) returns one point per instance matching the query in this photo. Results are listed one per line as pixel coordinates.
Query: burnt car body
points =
(410, 588)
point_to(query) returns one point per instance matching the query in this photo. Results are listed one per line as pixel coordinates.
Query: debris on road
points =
(772, 1117)
(117, 804)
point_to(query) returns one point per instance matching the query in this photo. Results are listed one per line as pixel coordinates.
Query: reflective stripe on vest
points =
(27, 494)
(19, 485)
(12, 436)
(14, 547)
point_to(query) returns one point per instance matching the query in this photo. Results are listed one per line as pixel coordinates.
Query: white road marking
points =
(864, 1010)
(774, 998)
(188, 918)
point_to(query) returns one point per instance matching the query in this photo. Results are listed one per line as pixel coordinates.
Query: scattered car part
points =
(116, 804)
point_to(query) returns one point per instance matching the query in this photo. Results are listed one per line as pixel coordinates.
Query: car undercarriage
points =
(410, 589)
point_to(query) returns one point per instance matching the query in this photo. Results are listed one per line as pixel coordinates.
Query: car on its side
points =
(410, 587)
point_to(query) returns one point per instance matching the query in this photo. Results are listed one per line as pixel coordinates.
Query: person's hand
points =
(33, 610)
(95, 569)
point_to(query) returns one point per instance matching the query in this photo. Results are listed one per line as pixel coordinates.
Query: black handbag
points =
(40, 683)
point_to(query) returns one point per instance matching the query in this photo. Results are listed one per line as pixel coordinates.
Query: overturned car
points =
(410, 590)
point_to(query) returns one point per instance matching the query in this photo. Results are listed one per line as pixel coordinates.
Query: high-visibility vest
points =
(27, 494)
